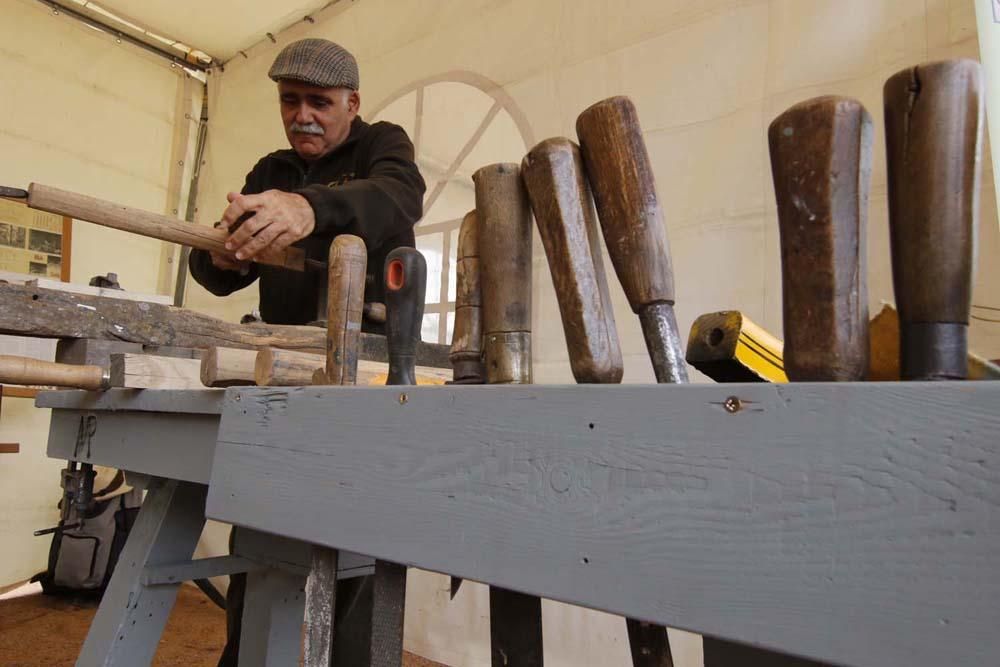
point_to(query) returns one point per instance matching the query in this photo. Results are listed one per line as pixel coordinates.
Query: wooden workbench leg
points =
(271, 633)
(130, 620)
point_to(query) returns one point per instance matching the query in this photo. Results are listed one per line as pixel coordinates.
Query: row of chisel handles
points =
(821, 157)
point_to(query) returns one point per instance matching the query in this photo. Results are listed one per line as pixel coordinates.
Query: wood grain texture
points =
(49, 283)
(26, 370)
(467, 340)
(933, 130)
(52, 314)
(345, 305)
(561, 201)
(147, 371)
(147, 223)
(199, 401)
(227, 367)
(287, 368)
(504, 225)
(821, 152)
(625, 195)
(866, 507)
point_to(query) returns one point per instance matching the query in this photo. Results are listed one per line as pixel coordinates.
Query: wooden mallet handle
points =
(147, 223)
(821, 164)
(933, 134)
(634, 231)
(25, 370)
(561, 201)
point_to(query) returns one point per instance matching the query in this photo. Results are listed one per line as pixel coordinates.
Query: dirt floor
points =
(41, 631)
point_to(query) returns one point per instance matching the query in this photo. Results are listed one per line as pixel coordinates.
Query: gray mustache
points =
(311, 128)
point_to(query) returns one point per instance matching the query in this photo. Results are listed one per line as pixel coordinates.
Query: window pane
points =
(429, 327)
(432, 246)
(452, 266)
(451, 326)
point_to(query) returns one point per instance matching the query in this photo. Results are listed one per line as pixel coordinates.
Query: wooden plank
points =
(51, 314)
(176, 446)
(15, 391)
(192, 401)
(62, 286)
(10, 447)
(146, 371)
(287, 368)
(866, 507)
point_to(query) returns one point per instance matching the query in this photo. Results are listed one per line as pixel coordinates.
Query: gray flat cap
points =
(319, 62)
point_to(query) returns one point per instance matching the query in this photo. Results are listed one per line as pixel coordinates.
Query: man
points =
(341, 176)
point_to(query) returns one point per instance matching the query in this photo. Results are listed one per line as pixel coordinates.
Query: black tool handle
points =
(405, 284)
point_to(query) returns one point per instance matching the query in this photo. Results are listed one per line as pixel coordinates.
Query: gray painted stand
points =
(165, 440)
(849, 523)
(856, 524)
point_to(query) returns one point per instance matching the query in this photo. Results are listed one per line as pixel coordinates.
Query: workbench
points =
(853, 523)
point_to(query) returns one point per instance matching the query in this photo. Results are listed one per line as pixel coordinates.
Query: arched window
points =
(459, 122)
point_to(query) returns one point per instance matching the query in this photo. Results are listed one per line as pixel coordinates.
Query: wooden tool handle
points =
(622, 179)
(933, 132)
(561, 202)
(405, 286)
(821, 164)
(467, 341)
(504, 219)
(25, 370)
(345, 305)
(286, 368)
(146, 223)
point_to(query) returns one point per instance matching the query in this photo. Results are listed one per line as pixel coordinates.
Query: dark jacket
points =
(368, 186)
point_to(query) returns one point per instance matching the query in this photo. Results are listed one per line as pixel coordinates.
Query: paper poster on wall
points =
(33, 242)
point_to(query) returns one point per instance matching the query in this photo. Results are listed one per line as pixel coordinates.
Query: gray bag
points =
(82, 558)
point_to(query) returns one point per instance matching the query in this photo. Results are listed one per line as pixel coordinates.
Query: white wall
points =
(80, 112)
(707, 77)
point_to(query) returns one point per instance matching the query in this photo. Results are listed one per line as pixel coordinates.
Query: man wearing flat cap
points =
(341, 176)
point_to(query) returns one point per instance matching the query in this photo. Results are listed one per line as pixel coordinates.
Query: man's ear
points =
(354, 102)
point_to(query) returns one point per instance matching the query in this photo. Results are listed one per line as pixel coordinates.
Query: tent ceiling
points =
(220, 28)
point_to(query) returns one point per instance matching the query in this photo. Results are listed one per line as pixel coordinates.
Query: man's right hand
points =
(228, 262)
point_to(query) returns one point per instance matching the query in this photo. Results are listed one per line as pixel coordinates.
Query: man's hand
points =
(279, 219)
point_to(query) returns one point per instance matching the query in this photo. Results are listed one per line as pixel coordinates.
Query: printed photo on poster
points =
(12, 235)
(54, 266)
(47, 242)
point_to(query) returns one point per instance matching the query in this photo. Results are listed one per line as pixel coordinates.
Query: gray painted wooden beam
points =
(853, 523)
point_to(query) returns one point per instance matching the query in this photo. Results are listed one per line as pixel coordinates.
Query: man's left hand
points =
(279, 219)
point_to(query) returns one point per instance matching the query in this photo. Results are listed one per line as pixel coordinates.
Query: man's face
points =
(316, 120)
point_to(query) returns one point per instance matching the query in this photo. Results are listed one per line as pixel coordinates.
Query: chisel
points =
(467, 342)
(30, 371)
(821, 165)
(933, 136)
(821, 152)
(346, 293)
(405, 282)
(621, 177)
(504, 220)
(561, 201)
(632, 221)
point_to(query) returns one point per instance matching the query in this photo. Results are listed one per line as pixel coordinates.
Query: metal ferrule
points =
(659, 328)
(933, 351)
(508, 358)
